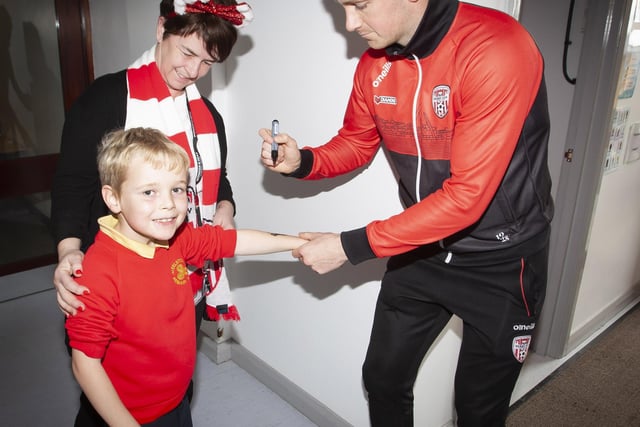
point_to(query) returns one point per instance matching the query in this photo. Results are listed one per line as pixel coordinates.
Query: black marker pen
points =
(275, 128)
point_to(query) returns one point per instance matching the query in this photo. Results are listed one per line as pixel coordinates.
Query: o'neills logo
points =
(529, 327)
(440, 100)
(179, 272)
(385, 71)
(389, 100)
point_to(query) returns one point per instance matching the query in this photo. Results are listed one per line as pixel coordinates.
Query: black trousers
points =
(498, 303)
(178, 417)
(88, 417)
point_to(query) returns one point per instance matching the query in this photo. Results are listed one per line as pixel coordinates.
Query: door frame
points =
(74, 45)
(581, 175)
(73, 23)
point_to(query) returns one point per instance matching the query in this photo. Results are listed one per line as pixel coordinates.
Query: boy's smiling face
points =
(151, 203)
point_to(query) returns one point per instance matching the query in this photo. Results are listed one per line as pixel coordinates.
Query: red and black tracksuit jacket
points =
(462, 113)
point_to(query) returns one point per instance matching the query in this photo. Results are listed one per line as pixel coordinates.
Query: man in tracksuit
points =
(456, 94)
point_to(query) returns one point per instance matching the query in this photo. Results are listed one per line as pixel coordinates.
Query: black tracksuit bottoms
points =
(498, 299)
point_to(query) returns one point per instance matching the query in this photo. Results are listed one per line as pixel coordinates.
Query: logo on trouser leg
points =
(520, 347)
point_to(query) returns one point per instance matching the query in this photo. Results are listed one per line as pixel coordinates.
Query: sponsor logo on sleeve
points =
(389, 100)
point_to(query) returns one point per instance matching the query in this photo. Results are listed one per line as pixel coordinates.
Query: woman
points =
(158, 90)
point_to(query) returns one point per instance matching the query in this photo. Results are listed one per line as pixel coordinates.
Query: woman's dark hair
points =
(218, 34)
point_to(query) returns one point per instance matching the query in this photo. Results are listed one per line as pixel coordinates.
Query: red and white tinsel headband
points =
(239, 15)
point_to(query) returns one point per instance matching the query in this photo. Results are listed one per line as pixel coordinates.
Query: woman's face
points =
(181, 60)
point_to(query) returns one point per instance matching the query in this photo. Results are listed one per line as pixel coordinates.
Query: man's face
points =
(381, 22)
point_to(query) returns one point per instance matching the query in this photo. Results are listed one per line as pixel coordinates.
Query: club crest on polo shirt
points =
(520, 347)
(179, 272)
(440, 100)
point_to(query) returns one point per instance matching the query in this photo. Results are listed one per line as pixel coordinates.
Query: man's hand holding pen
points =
(279, 152)
(323, 252)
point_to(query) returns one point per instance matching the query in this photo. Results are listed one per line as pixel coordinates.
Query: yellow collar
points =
(108, 225)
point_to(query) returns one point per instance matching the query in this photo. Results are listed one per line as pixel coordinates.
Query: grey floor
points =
(37, 388)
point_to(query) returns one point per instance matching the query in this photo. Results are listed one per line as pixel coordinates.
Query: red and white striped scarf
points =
(149, 104)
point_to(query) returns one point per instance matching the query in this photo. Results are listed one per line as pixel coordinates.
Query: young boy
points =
(133, 348)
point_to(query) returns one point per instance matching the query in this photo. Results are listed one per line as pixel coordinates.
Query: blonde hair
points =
(118, 148)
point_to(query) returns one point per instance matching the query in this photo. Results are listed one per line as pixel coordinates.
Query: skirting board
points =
(306, 404)
(609, 314)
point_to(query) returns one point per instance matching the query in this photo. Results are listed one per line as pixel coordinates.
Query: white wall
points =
(121, 31)
(611, 273)
(313, 329)
(295, 64)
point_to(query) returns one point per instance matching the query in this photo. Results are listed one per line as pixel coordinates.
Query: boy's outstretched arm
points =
(98, 387)
(256, 242)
